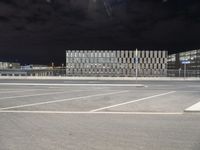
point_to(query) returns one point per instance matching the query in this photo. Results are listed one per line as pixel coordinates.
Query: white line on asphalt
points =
(33, 95)
(65, 84)
(11, 89)
(189, 91)
(193, 86)
(82, 112)
(62, 100)
(134, 101)
(21, 91)
(162, 85)
(194, 108)
(54, 87)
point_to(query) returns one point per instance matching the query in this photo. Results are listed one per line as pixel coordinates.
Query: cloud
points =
(49, 26)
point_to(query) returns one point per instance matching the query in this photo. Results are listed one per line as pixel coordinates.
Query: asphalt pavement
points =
(99, 115)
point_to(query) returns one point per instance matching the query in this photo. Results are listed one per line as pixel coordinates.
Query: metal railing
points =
(183, 73)
(63, 72)
(33, 72)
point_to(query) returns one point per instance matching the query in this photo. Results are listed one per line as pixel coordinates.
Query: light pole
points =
(185, 67)
(136, 62)
(179, 72)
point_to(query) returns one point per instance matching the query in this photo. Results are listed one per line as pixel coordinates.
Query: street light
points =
(136, 61)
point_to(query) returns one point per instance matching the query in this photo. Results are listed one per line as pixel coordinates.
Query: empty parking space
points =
(122, 97)
(88, 103)
(95, 117)
(173, 102)
(37, 98)
(27, 93)
(75, 96)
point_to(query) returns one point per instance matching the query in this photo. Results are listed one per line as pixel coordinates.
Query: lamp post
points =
(185, 67)
(136, 62)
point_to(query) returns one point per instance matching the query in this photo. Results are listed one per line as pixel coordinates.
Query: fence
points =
(33, 72)
(183, 73)
(140, 73)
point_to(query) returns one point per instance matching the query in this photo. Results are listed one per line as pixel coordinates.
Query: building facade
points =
(116, 63)
(176, 62)
(10, 69)
(9, 65)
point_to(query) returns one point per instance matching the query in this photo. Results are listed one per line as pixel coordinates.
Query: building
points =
(176, 62)
(116, 63)
(36, 67)
(10, 69)
(9, 65)
(38, 70)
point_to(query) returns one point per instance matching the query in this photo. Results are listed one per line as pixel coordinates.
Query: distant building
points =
(11, 69)
(9, 65)
(38, 70)
(116, 63)
(35, 67)
(192, 57)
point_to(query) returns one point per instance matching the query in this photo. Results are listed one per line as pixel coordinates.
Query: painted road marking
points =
(189, 91)
(47, 84)
(193, 86)
(193, 108)
(13, 89)
(42, 94)
(82, 112)
(62, 100)
(134, 101)
(17, 91)
(162, 85)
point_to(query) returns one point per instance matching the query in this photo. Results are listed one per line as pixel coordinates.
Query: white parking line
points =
(189, 91)
(62, 100)
(11, 89)
(193, 108)
(17, 91)
(17, 88)
(42, 94)
(193, 86)
(65, 84)
(82, 112)
(134, 101)
(162, 85)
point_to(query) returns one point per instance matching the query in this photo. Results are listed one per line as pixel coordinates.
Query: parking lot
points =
(99, 115)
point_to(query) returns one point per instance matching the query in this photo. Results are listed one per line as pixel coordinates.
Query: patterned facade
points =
(116, 63)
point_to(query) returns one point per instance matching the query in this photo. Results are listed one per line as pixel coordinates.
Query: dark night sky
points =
(39, 31)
